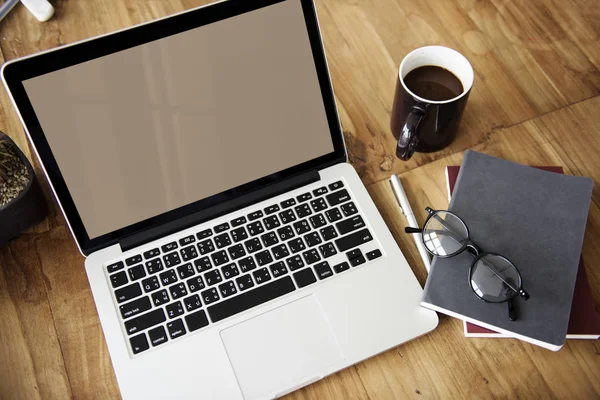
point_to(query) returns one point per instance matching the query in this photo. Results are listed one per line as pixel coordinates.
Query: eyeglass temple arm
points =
(410, 229)
(512, 312)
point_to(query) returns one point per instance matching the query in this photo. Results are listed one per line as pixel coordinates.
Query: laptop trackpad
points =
(282, 349)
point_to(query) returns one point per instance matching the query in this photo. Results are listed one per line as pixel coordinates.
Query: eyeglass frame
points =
(476, 252)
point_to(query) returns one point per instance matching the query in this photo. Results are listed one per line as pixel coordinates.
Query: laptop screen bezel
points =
(15, 72)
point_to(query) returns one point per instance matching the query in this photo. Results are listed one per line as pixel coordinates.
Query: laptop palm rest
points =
(282, 349)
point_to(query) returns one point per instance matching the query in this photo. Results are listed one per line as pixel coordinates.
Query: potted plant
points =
(22, 203)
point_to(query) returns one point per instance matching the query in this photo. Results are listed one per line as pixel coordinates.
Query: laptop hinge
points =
(157, 232)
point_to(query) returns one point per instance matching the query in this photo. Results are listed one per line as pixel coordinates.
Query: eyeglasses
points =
(493, 277)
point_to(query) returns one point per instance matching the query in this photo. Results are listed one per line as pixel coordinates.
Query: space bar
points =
(251, 299)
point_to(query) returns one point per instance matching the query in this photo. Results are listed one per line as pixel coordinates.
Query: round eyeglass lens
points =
(445, 234)
(495, 279)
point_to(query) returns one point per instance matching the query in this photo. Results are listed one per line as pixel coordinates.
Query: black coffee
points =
(433, 83)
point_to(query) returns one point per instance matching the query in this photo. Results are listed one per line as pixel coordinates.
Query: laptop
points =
(231, 250)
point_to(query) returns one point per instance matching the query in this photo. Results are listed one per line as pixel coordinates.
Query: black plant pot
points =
(27, 209)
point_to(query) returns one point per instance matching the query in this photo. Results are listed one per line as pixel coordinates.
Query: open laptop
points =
(231, 250)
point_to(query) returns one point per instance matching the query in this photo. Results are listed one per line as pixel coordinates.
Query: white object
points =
(410, 218)
(41, 9)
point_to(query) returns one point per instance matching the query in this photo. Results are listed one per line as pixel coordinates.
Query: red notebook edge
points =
(584, 322)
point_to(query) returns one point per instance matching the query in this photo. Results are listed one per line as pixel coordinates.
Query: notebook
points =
(536, 219)
(584, 322)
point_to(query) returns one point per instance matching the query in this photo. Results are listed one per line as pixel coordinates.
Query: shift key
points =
(353, 240)
(145, 321)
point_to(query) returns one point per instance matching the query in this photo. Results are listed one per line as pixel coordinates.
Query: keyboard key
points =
(255, 215)
(374, 254)
(287, 203)
(354, 254)
(133, 260)
(261, 275)
(280, 251)
(177, 291)
(328, 233)
(303, 210)
(253, 245)
(338, 197)
(194, 284)
(139, 343)
(312, 239)
(317, 221)
(285, 233)
(239, 234)
(118, 279)
(169, 247)
(128, 292)
(168, 277)
(204, 234)
(304, 277)
(206, 246)
(251, 298)
(333, 215)
(157, 336)
(222, 240)
(115, 267)
(245, 282)
(221, 227)
(196, 320)
(263, 258)
(353, 240)
(202, 264)
(150, 284)
(238, 221)
(189, 253)
(323, 270)
(302, 226)
(349, 209)
(336, 185)
(255, 228)
(318, 204)
(247, 264)
(296, 245)
(154, 266)
(320, 191)
(172, 259)
(187, 240)
(311, 256)
(236, 251)
(350, 224)
(137, 272)
(176, 328)
(135, 307)
(210, 296)
(174, 309)
(213, 277)
(294, 263)
(287, 216)
(358, 261)
(278, 269)
(145, 321)
(269, 239)
(341, 267)
(327, 250)
(230, 270)
(219, 258)
(272, 209)
(271, 222)
(227, 289)
(192, 303)
(185, 271)
(304, 197)
(160, 298)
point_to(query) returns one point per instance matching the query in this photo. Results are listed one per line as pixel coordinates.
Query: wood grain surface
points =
(535, 100)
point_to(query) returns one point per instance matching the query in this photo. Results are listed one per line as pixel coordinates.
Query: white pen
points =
(410, 218)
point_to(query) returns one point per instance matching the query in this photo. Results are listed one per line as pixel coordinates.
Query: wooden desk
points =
(535, 100)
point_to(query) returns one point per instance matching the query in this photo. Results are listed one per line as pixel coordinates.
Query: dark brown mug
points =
(429, 124)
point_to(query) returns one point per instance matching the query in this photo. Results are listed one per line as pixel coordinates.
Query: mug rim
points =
(466, 88)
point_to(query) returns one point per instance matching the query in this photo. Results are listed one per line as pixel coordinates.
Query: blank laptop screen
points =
(150, 129)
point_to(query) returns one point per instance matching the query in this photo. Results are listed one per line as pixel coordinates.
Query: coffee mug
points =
(433, 86)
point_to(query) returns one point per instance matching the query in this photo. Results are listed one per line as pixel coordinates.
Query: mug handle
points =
(408, 139)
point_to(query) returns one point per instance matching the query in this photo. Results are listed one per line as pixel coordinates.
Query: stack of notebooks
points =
(536, 218)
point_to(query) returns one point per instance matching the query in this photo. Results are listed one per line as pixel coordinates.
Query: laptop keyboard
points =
(185, 285)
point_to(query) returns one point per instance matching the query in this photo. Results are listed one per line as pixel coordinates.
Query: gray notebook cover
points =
(534, 218)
